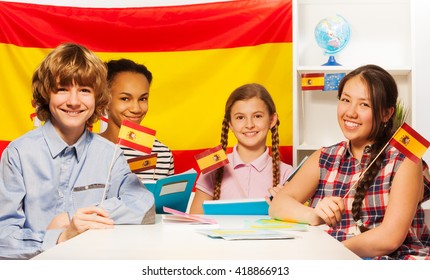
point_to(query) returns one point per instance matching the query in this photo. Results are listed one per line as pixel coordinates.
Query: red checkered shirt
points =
(340, 170)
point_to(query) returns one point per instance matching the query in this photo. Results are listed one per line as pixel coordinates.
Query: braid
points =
(220, 171)
(275, 154)
(368, 179)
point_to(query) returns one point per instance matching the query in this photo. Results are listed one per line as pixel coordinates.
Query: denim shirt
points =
(41, 177)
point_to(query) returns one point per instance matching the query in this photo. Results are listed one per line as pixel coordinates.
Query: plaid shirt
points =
(340, 170)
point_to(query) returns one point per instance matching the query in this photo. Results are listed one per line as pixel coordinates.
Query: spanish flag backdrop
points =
(198, 54)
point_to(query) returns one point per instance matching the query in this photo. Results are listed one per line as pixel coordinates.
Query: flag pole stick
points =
(108, 176)
(365, 170)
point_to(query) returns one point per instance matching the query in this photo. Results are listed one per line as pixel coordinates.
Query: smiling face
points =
(354, 112)
(250, 122)
(130, 92)
(71, 106)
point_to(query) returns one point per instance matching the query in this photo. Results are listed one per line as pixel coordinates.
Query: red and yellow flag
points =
(313, 81)
(410, 142)
(142, 163)
(211, 159)
(191, 50)
(136, 136)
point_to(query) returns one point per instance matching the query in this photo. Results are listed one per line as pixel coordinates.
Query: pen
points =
(292, 174)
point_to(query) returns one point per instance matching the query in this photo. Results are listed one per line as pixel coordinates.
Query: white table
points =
(183, 242)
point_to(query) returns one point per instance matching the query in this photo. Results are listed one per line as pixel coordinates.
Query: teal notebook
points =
(236, 207)
(172, 191)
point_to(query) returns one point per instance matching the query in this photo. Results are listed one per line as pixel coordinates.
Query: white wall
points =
(421, 74)
(421, 65)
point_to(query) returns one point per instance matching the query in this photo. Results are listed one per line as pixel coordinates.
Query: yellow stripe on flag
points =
(313, 81)
(211, 159)
(142, 163)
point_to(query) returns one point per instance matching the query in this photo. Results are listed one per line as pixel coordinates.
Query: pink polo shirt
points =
(250, 180)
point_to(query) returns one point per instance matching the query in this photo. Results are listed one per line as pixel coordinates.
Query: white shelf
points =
(380, 34)
(396, 71)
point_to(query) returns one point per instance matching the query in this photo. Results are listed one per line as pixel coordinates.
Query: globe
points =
(332, 35)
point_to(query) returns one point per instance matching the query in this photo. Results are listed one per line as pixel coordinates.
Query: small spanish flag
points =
(142, 163)
(211, 159)
(410, 142)
(136, 136)
(313, 81)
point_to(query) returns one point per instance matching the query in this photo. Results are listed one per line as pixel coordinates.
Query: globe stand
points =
(331, 62)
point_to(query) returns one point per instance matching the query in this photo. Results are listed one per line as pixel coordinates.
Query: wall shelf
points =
(380, 34)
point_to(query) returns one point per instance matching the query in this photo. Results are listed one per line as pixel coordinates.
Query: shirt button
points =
(61, 194)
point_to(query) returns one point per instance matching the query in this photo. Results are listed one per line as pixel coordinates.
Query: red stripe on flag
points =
(138, 127)
(313, 75)
(208, 152)
(134, 146)
(148, 29)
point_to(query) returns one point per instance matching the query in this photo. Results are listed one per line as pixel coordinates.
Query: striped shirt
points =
(165, 163)
(340, 170)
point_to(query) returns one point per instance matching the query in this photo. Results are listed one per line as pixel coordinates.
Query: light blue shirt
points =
(41, 177)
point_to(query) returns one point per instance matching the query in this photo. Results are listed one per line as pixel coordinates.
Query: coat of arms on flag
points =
(211, 159)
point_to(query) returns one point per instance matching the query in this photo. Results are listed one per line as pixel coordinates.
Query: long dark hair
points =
(383, 96)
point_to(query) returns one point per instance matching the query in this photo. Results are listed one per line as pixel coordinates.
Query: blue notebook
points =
(172, 191)
(257, 206)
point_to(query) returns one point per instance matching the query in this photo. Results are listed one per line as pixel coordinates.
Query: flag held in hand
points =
(211, 159)
(142, 163)
(136, 136)
(410, 142)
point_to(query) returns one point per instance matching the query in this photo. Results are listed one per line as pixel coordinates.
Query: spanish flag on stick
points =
(142, 163)
(211, 159)
(313, 81)
(410, 142)
(136, 136)
(407, 141)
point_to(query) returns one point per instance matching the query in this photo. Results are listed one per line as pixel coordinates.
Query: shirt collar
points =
(56, 145)
(259, 163)
(367, 149)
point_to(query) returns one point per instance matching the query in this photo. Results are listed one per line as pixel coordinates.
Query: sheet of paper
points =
(178, 216)
(276, 224)
(246, 234)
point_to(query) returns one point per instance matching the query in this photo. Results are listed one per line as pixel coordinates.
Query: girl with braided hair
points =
(377, 214)
(250, 113)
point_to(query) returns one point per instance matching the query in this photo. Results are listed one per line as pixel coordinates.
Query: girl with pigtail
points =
(367, 192)
(250, 113)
